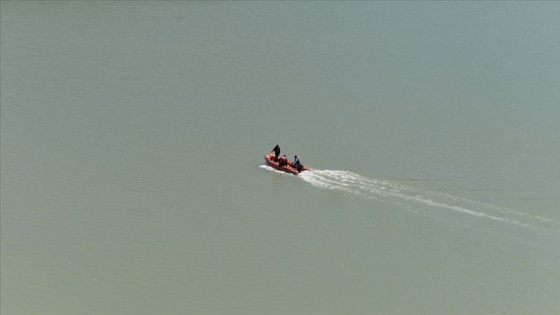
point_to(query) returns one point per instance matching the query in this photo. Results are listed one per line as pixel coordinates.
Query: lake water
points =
(133, 136)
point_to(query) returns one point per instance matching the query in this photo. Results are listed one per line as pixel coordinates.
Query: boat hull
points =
(272, 161)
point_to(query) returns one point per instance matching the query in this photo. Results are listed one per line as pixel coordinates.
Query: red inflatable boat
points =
(272, 161)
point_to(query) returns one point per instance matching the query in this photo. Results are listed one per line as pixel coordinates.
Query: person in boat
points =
(283, 161)
(276, 151)
(296, 161)
(297, 164)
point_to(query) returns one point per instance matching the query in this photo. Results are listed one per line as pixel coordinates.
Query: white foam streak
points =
(460, 209)
(391, 192)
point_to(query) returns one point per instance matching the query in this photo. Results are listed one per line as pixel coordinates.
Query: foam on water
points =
(397, 193)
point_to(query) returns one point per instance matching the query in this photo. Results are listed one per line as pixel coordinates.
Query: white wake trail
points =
(371, 188)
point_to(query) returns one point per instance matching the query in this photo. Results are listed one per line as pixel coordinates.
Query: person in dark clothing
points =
(297, 164)
(283, 161)
(276, 151)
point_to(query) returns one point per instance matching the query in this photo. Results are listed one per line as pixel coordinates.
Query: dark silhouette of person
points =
(297, 164)
(276, 151)
(283, 161)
